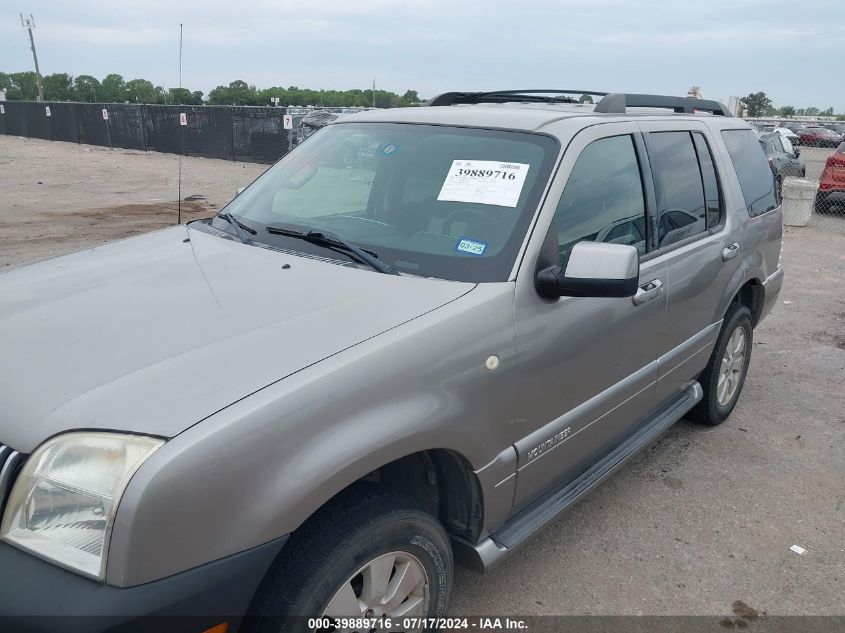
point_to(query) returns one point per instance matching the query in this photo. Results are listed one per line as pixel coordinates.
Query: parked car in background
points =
(819, 137)
(839, 128)
(832, 182)
(782, 161)
(794, 126)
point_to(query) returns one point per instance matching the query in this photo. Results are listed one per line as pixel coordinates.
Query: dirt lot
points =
(56, 198)
(814, 158)
(699, 523)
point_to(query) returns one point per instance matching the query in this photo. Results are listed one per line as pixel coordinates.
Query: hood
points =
(155, 333)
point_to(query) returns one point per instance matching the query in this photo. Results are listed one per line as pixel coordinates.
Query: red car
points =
(832, 182)
(819, 137)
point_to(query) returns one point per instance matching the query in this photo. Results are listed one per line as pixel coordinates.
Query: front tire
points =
(723, 378)
(370, 552)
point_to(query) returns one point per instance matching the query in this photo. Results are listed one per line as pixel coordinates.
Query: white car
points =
(789, 138)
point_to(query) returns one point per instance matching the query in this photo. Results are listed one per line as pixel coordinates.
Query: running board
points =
(522, 526)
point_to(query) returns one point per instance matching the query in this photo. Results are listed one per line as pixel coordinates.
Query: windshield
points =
(434, 201)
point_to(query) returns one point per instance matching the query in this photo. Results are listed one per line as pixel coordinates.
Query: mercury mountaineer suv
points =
(413, 342)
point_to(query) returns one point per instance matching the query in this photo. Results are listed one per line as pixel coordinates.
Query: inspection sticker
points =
(484, 182)
(470, 247)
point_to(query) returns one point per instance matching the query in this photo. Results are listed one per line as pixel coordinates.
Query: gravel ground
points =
(698, 524)
(814, 158)
(58, 197)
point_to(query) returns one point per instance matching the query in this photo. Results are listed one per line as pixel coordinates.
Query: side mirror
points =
(593, 269)
(796, 151)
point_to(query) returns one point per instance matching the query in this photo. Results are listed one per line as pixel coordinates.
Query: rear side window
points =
(752, 169)
(603, 198)
(680, 191)
(712, 197)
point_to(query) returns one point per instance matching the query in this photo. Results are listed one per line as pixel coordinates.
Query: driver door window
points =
(603, 198)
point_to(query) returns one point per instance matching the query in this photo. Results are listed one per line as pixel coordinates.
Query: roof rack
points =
(506, 96)
(617, 102)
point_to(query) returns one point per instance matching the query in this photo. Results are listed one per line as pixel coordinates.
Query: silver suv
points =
(414, 341)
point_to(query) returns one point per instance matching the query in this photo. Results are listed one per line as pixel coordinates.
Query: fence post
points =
(144, 126)
(232, 130)
(108, 130)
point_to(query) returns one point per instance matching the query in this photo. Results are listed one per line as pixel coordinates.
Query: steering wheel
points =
(471, 213)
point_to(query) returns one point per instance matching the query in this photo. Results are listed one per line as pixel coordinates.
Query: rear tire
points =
(365, 547)
(723, 378)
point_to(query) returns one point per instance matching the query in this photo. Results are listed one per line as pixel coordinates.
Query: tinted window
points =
(712, 197)
(752, 169)
(680, 192)
(769, 146)
(603, 198)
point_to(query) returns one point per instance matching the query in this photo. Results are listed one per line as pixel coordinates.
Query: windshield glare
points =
(434, 201)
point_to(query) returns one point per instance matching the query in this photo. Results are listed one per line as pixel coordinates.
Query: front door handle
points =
(730, 251)
(647, 292)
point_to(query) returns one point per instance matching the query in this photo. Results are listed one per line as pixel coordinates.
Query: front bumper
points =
(38, 596)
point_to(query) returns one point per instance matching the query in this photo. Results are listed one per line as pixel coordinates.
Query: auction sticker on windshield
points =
(484, 182)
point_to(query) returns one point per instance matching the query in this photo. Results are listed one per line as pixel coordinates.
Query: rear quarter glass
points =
(752, 169)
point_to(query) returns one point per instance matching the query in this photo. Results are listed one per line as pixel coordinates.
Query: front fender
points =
(259, 468)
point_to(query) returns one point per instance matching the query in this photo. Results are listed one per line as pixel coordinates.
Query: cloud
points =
(728, 47)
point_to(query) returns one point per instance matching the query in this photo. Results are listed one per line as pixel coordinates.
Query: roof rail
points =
(505, 96)
(617, 102)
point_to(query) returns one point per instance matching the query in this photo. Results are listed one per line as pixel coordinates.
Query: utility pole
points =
(181, 136)
(29, 24)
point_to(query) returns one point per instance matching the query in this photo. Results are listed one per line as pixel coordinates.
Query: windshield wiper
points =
(330, 240)
(241, 229)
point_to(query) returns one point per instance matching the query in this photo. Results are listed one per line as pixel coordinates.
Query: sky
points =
(792, 51)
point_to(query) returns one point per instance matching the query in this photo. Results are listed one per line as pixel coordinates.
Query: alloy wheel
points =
(392, 585)
(730, 371)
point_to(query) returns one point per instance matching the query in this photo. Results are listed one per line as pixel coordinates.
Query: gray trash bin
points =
(799, 195)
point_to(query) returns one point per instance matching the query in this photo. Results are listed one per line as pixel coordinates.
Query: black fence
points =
(251, 134)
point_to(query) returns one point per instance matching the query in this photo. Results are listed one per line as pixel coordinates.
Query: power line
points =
(29, 24)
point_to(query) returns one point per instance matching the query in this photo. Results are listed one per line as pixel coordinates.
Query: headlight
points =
(63, 503)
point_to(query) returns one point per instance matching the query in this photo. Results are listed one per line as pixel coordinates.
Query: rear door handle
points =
(647, 292)
(730, 251)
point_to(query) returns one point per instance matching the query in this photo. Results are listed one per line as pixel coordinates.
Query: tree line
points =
(758, 104)
(115, 89)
